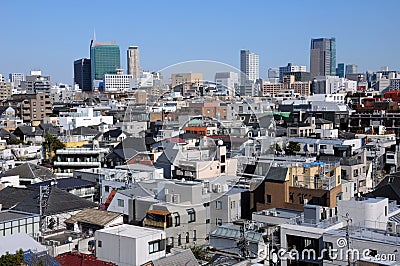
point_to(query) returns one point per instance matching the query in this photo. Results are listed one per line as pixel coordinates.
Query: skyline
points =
(168, 33)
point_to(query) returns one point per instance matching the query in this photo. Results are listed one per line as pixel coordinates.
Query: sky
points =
(50, 35)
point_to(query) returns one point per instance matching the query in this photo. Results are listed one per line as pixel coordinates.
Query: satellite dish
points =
(70, 239)
(220, 142)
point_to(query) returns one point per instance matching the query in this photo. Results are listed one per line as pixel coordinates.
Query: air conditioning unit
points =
(305, 201)
(392, 227)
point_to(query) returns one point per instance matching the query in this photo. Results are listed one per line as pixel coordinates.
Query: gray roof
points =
(9, 215)
(184, 257)
(277, 174)
(84, 131)
(319, 121)
(30, 171)
(233, 232)
(27, 200)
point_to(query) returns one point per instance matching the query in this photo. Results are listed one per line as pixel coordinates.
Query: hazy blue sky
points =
(50, 35)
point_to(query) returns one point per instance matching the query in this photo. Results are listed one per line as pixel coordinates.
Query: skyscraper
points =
(133, 60)
(340, 70)
(323, 57)
(104, 59)
(249, 66)
(351, 69)
(82, 74)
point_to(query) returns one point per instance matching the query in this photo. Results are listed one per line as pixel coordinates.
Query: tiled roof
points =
(93, 216)
(185, 257)
(30, 171)
(67, 183)
(27, 200)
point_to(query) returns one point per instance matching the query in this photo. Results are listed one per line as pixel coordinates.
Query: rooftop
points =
(9, 215)
(93, 216)
(131, 231)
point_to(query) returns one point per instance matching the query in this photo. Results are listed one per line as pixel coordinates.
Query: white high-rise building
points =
(16, 78)
(118, 82)
(227, 81)
(133, 61)
(249, 66)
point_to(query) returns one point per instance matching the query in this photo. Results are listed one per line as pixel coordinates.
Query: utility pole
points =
(348, 221)
(242, 243)
(44, 192)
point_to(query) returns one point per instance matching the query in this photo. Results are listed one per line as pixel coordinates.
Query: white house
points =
(128, 245)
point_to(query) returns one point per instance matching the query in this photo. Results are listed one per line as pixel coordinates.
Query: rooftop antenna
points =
(94, 35)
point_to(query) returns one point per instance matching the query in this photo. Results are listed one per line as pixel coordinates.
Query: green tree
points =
(13, 141)
(51, 144)
(292, 148)
(12, 259)
(200, 252)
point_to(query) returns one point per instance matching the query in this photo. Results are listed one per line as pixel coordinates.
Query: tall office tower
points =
(340, 70)
(249, 66)
(273, 73)
(351, 69)
(323, 57)
(290, 68)
(104, 59)
(16, 78)
(133, 60)
(82, 74)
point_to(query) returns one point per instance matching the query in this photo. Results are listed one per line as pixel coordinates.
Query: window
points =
(233, 204)
(177, 219)
(121, 203)
(194, 235)
(179, 240)
(99, 243)
(386, 211)
(218, 205)
(268, 199)
(187, 238)
(192, 215)
(207, 221)
(156, 246)
(107, 188)
(218, 221)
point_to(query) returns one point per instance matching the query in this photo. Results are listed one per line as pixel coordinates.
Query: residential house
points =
(13, 222)
(56, 206)
(29, 173)
(87, 221)
(300, 184)
(146, 244)
(306, 233)
(79, 187)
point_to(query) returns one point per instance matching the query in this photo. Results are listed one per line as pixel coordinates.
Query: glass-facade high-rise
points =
(323, 57)
(105, 59)
(340, 70)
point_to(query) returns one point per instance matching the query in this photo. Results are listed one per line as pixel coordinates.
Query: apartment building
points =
(31, 107)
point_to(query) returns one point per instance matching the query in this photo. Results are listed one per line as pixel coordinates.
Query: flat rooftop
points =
(280, 213)
(367, 234)
(9, 215)
(130, 231)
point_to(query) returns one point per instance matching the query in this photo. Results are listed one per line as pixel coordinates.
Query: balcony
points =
(78, 164)
(158, 219)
